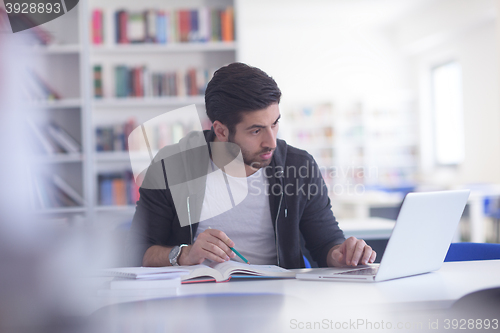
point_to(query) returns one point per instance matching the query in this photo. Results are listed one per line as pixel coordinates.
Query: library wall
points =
(467, 33)
(324, 52)
(319, 50)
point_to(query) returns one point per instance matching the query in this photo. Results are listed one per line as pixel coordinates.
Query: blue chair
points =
(492, 209)
(306, 262)
(472, 251)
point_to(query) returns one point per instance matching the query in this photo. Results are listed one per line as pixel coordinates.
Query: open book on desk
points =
(221, 272)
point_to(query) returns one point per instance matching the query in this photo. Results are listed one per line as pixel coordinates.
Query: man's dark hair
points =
(238, 88)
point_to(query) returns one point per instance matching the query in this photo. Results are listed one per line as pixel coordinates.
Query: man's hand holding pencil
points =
(211, 244)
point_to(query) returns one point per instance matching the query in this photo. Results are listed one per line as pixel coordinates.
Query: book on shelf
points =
(97, 26)
(63, 138)
(54, 192)
(37, 88)
(62, 185)
(222, 272)
(136, 27)
(161, 31)
(41, 139)
(227, 26)
(117, 189)
(151, 34)
(141, 82)
(173, 26)
(98, 92)
(121, 23)
(111, 138)
(114, 137)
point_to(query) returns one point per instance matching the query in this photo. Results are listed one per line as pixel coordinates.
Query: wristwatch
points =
(174, 254)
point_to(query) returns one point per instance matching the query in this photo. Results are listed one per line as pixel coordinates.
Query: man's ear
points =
(221, 131)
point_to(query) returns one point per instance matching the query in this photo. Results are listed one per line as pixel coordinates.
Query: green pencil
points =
(237, 253)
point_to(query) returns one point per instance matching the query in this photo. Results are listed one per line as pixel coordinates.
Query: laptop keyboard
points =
(362, 271)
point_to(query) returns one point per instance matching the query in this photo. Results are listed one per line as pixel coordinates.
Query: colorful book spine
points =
(175, 26)
(227, 25)
(121, 81)
(136, 27)
(150, 25)
(193, 34)
(115, 137)
(98, 93)
(123, 27)
(97, 27)
(161, 27)
(117, 189)
(141, 82)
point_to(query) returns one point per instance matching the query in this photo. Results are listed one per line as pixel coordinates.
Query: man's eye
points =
(256, 132)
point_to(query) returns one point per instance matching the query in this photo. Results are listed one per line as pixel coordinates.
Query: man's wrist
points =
(330, 260)
(183, 256)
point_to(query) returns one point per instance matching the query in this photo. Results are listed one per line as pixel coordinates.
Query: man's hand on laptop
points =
(351, 252)
(210, 244)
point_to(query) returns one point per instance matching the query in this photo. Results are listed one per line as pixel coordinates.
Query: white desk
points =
(280, 305)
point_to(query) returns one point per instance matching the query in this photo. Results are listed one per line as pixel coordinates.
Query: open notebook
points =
(221, 272)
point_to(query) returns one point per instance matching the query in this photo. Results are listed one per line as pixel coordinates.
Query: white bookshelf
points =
(57, 49)
(147, 49)
(111, 110)
(146, 102)
(59, 158)
(61, 65)
(68, 63)
(66, 103)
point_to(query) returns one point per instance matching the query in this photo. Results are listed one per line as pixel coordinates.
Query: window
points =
(448, 114)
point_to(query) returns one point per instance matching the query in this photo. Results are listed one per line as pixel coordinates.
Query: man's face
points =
(256, 136)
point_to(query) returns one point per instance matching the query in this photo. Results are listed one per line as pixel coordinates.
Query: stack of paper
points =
(142, 281)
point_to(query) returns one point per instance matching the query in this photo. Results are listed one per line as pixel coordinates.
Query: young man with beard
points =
(266, 225)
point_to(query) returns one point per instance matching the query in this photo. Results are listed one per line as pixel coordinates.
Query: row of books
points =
(315, 136)
(166, 26)
(115, 138)
(117, 189)
(141, 82)
(54, 192)
(51, 139)
(36, 88)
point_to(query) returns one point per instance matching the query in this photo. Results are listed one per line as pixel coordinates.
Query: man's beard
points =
(250, 159)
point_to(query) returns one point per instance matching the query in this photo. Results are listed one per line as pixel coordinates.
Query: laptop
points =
(418, 244)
